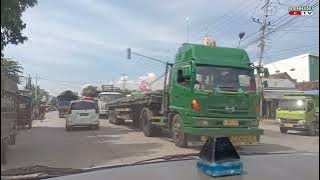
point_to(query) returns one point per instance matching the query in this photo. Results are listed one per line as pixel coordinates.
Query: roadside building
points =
(291, 75)
(302, 68)
(278, 86)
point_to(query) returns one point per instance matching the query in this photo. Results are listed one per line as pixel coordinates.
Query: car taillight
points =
(195, 105)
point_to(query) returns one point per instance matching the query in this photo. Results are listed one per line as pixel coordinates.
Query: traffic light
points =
(129, 53)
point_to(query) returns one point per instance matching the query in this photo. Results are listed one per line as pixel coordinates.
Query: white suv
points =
(82, 113)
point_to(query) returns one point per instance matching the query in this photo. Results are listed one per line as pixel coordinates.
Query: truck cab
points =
(299, 112)
(104, 98)
(213, 92)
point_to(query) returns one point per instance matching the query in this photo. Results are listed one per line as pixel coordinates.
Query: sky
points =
(78, 42)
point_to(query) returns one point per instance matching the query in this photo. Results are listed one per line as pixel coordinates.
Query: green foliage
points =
(11, 22)
(11, 69)
(52, 101)
(90, 91)
(41, 95)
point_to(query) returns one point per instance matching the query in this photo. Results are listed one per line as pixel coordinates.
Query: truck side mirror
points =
(265, 84)
(186, 72)
(265, 72)
(309, 106)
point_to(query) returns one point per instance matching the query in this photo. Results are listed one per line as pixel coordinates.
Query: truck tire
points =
(137, 121)
(118, 121)
(12, 140)
(148, 129)
(68, 128)
(30, 125)
(4, 148)
(312, 131)
(179, 138)
(283, 130)
(113, 118)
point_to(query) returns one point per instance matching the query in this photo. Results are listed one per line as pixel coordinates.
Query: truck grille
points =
(222, 110)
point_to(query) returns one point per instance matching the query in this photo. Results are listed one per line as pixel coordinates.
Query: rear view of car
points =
(82, 113)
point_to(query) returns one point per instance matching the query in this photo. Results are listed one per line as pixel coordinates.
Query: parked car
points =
(82, 113)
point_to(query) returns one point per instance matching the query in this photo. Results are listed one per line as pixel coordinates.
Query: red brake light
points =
(195, 105)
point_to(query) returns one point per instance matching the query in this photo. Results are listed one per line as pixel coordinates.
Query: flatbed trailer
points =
(208, 91)
(135, 107)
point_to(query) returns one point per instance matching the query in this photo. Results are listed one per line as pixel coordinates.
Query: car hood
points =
(295, 166)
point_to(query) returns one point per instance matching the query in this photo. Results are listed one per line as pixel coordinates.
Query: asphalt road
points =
(48, 143)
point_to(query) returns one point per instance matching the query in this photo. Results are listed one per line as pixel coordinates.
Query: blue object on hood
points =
(218, 157)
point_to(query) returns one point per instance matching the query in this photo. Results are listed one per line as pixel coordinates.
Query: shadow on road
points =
(82, 148)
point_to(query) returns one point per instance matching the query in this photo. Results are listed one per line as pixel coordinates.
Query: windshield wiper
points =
(170, 158)
(38, 172)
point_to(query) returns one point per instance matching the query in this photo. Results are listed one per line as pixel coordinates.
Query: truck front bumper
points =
(223, 131)
(295, 127)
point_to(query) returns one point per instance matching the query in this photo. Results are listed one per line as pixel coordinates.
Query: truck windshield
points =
(64, 103)
(226, 78)
(293, 103)
(110, 97)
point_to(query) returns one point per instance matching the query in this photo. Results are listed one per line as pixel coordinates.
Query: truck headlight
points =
(301, 122)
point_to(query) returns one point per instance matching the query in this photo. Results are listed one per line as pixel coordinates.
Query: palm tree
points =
(11, 69)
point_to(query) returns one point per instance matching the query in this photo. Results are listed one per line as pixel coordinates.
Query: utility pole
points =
(264, 24)
(36, 93)
(124, 76)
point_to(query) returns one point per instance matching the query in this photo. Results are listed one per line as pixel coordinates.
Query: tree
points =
(11, 69)
(39, 94)
(90, 91)
(53, 101)
(11, 22)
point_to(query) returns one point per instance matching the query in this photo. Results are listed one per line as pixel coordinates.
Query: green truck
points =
(299, 112)
(210, 91)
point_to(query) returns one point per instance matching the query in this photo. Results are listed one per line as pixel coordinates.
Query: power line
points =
(282, 50)
(273, 22)
(221, 23)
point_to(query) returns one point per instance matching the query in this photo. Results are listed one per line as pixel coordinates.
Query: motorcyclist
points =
(42, 110)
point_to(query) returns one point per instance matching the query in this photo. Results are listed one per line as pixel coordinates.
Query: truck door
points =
(180, 91)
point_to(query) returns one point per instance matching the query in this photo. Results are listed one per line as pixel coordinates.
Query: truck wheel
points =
(12, 140)
(118, 121)
(30, 125)
(4, 147)
(148, 129)
(179, 137)
(111, 117)
(312, 131)
(68, 128)
(283, 130)
(136, 121)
